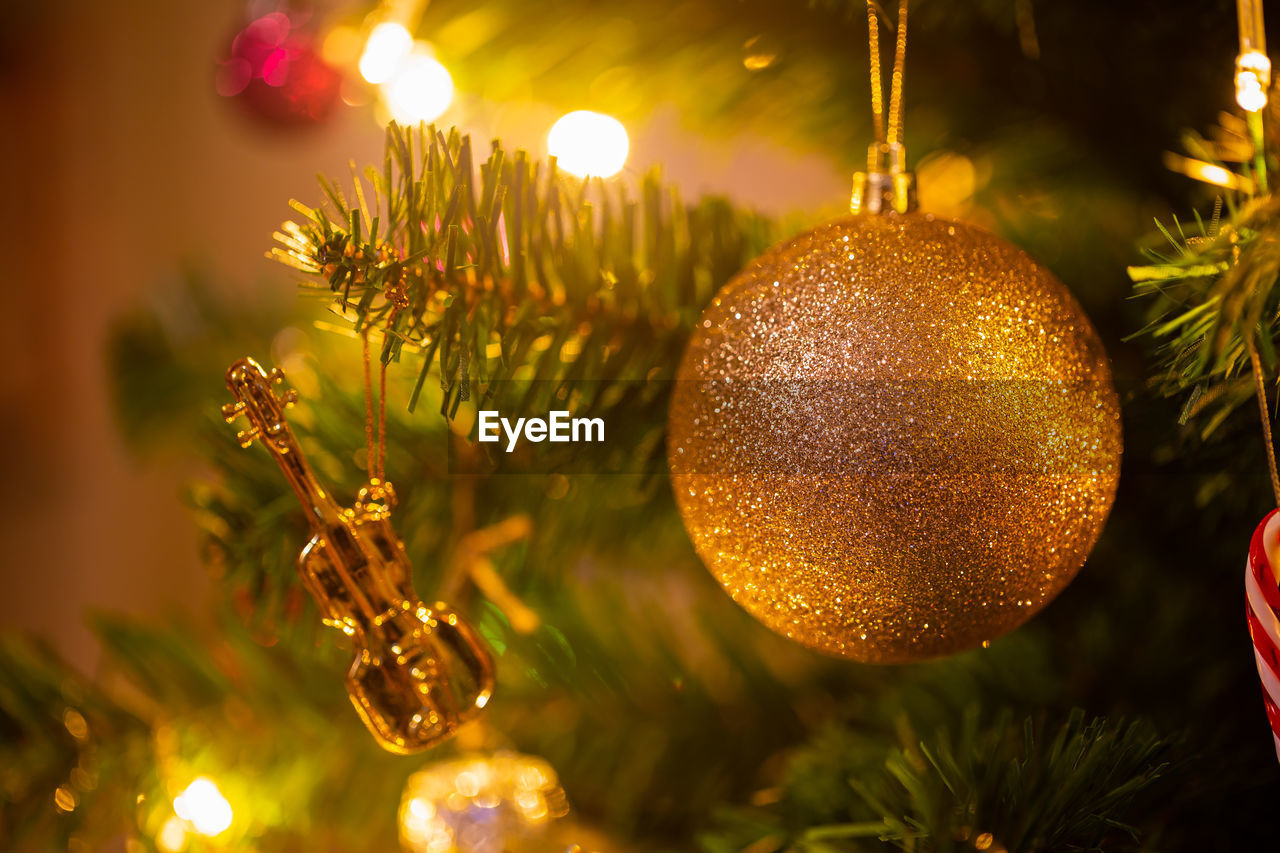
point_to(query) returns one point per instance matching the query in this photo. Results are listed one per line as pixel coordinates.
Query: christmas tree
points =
(585, 683)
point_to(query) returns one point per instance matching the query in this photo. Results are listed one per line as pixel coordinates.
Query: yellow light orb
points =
(421, 89)
(388, 46)
(173, 835)
(1253, 78)
(203, 806)
(1249, 91)
(589, 144)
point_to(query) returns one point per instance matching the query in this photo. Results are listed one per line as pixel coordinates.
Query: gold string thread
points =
(1265, 411)
(886, 186)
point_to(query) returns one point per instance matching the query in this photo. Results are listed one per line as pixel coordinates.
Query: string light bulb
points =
(1253, 74)
(388, 47)
(421, 89)
(203, 806)
(589, 144)
(1253, 68)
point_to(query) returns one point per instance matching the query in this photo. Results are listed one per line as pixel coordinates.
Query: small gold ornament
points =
(894, 437)
(404, 681)
(503, 801)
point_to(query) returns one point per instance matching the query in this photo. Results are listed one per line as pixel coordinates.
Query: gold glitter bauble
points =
(894, 437)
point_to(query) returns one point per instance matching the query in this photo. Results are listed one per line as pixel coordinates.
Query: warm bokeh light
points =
(589, 144)
(341, 46)
(1253, 75)
(947, 182)
(388, 46)
(502, 801)
(420, 90)
(203, 806)
(1210, 173)
(1253, 68)
(65, 799)
(1249, 91)
(172, 836)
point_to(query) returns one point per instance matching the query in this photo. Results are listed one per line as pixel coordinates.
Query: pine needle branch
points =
(518, 284)
(1215, 291)
(999, 783)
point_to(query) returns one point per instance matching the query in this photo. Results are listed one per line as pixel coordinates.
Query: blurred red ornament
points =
(276, 74)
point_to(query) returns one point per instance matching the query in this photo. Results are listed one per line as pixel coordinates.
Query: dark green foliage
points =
(1215, 299)
(1001, 782)
(1215, 296)
(57, 730)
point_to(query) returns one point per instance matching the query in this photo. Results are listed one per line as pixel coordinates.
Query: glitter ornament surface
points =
(894, 437)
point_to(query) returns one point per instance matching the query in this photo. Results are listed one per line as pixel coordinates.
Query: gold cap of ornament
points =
(886, 186)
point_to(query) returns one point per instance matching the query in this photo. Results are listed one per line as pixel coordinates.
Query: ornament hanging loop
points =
(886, 186)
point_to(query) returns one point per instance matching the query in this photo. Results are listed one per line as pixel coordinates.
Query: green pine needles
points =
(1214, 287)
(998, 784)
(506, 270)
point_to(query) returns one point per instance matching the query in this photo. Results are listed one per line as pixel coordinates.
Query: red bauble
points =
(275, 74)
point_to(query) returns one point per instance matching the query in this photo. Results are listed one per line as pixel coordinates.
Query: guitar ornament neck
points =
(323, 511)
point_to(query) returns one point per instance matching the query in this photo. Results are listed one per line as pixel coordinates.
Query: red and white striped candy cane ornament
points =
(1262, 593)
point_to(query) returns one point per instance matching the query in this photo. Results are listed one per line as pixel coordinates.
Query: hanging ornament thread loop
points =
(886, 186)
(895, 84)
(877, 87)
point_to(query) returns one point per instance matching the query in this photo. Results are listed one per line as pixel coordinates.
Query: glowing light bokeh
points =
(586, 143)
(172, 836)
(1249, 91)
(1253, 78)
(389, 45)
(341, 46)
(420, 90)
(203, 806)
(481, 803)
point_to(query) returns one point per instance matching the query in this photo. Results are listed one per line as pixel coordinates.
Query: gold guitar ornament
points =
(419, 671)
